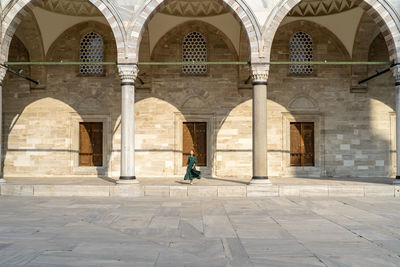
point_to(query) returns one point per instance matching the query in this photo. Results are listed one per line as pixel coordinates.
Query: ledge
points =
(201, 191)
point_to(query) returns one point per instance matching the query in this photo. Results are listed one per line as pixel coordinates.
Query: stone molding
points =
(128, 73)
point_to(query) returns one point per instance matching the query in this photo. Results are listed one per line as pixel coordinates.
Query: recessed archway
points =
(237, 7)
(381, 15)
(17, 12)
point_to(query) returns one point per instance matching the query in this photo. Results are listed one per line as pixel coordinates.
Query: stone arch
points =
(237, 7)
(19, 9)
(380, 13)
(366, 33)
(29, 33)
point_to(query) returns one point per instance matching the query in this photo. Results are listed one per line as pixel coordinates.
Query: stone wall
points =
(354, 131)
(39, 136)
(175, 97)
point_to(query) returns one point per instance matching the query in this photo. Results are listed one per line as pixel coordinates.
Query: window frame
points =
(103, 73)
(312, 67)
(205, 73)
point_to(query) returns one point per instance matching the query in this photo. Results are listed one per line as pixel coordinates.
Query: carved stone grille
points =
(91, 50)
(301, 50)
(194, 50)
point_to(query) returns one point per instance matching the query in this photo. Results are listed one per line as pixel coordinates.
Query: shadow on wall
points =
(172, 98)
(41, 126)
(352, 129)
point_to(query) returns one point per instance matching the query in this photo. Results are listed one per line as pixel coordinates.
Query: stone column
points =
(128, 74)
(260, 172)
(3, 72)
(397, 84)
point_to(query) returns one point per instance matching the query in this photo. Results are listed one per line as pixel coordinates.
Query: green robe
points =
(192, 173)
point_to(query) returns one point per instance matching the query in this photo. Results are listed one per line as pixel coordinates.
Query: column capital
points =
(3, 72)
(396, 74)
(128, 73)
(259, 74)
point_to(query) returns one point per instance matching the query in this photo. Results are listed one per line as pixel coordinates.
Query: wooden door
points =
(307, 134)
(302, 144)
(295, 144)
(195, 137)
(91, 144)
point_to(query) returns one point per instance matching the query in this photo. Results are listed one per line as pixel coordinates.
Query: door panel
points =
(302, 144)
(201, 143)
(194, 137)
(295, 144)
(188, 141)
(307, 133)
(90, 144)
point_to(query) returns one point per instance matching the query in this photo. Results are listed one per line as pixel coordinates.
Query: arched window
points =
(301, 50)
(91, 50)
(194, 50)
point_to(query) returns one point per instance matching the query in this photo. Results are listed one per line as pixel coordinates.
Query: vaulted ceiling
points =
(321, 7)
(194, 8)
(71, 7)
(199, 8)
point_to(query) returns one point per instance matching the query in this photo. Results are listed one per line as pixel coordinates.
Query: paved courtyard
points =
(212, 232)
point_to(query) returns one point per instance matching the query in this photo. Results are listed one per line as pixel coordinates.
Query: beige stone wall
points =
(39, 123)
(174, 98)
(354, 132)
(352, 129)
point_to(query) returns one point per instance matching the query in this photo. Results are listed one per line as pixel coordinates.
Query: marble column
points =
(397, 84)
(260, 166)
(3, 72)
(128, 74)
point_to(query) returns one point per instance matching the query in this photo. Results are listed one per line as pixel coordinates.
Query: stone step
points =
(201, 191)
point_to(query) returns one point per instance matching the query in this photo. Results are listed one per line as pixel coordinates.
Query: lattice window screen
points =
(194, 49)
(91, 50)
(301, 49)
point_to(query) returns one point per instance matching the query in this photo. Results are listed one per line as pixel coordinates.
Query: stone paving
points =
(199, 232)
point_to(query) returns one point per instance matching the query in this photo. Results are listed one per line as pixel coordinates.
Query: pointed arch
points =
(237, 7)
(18, 10)
(382, 15)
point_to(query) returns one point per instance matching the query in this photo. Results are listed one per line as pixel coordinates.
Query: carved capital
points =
(3, 72)
(259, 74)
(128, 73)
(396, 74)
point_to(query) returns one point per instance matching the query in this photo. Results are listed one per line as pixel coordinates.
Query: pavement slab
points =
(155, 231)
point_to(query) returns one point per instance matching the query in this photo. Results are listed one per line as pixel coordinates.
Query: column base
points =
(2, 181)
(260, 180)
(127, 180)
